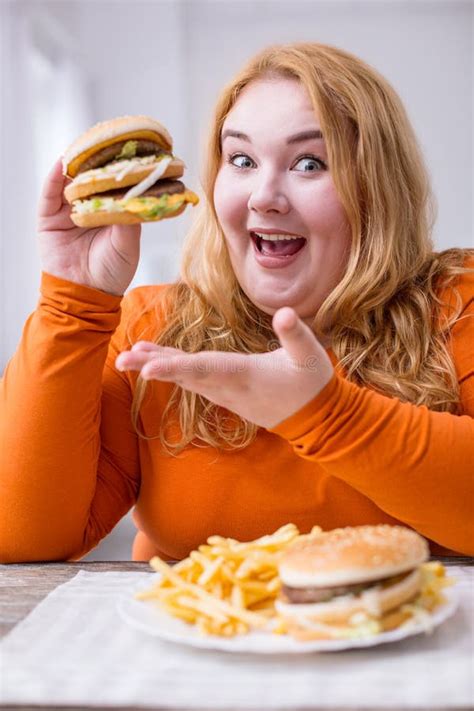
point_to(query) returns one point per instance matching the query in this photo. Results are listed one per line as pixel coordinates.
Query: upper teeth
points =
(275, 237)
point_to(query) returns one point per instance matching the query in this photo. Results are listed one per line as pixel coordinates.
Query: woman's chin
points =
(270, 304)
(267, 305)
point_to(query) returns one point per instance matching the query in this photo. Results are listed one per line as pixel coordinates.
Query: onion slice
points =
(147, 182)
(128, 169)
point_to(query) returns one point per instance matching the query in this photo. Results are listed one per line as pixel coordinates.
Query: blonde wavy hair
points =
(384, 318)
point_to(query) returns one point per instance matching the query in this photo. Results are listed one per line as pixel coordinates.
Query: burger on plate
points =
(357, 582)
(123, 172)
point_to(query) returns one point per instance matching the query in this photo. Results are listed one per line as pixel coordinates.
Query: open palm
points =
(264, 388)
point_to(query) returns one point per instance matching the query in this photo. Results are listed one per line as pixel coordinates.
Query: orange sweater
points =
(71, 464)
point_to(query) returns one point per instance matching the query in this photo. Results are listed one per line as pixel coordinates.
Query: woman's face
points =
(274, 182)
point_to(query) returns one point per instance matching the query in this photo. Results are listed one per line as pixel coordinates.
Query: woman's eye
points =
(309, 164)
(240, 160)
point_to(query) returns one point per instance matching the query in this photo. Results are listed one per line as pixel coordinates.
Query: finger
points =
(162, 368)
(138, 359)
(126, 240)
(133, 360)
(295, 336)
(150, 347)
(193, 368)
(51, 198)
(145, 346)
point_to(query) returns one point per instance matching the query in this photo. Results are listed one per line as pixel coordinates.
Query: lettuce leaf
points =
(128, 151)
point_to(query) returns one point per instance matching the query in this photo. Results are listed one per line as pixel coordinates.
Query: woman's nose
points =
(268, 195)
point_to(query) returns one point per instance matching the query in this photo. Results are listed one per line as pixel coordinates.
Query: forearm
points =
(413, 463)
(50, 418)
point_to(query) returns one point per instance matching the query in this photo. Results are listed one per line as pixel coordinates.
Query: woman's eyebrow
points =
(305, 136)
(297, 138)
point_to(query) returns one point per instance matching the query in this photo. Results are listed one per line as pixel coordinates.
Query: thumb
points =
(296, 337)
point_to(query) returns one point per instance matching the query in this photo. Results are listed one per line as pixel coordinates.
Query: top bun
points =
(105, 133)
(351, 555)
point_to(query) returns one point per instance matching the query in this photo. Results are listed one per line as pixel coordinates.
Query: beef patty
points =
(109, 153)
(307, 595)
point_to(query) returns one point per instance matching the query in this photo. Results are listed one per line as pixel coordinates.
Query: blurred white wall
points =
(168, 58)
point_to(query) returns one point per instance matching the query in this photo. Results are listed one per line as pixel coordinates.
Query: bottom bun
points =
(318, 630)
(102, 218)
(375, 602)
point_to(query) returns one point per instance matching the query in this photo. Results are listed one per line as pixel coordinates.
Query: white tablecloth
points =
(73, 648)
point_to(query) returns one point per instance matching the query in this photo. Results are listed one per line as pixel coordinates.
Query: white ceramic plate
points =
(147, 617)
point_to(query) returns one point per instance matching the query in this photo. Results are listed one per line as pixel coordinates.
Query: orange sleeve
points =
(415, 464)
(65, 478)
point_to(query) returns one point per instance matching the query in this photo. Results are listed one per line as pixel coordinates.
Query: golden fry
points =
(184, 565)
(226, 587)
(237, 597)
(202, 606)
(210, 571)
(187, 615)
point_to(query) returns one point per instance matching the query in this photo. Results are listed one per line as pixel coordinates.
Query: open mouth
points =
(277, 245)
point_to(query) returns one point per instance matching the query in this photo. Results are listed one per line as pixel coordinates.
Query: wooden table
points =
(23, 586)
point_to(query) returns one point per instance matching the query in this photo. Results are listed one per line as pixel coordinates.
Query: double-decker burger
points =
(357, 582)
(123, 172)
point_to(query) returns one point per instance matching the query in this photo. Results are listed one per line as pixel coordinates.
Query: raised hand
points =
(263, 388)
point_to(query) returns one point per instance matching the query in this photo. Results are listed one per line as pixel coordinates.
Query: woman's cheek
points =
(326, 217)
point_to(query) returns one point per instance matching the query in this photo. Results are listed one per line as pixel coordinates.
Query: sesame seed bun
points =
(105, 133)
(347, 556)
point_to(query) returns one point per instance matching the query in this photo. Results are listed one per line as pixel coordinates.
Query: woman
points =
(311, 365)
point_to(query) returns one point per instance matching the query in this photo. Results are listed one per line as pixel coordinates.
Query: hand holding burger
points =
(97, 244)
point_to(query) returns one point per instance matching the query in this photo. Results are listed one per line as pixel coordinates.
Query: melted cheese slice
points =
(147, 203)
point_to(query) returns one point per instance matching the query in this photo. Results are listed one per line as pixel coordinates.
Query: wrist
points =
(80, 283)
(60, 289)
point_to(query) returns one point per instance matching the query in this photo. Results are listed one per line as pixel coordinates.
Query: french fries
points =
(226, 587)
